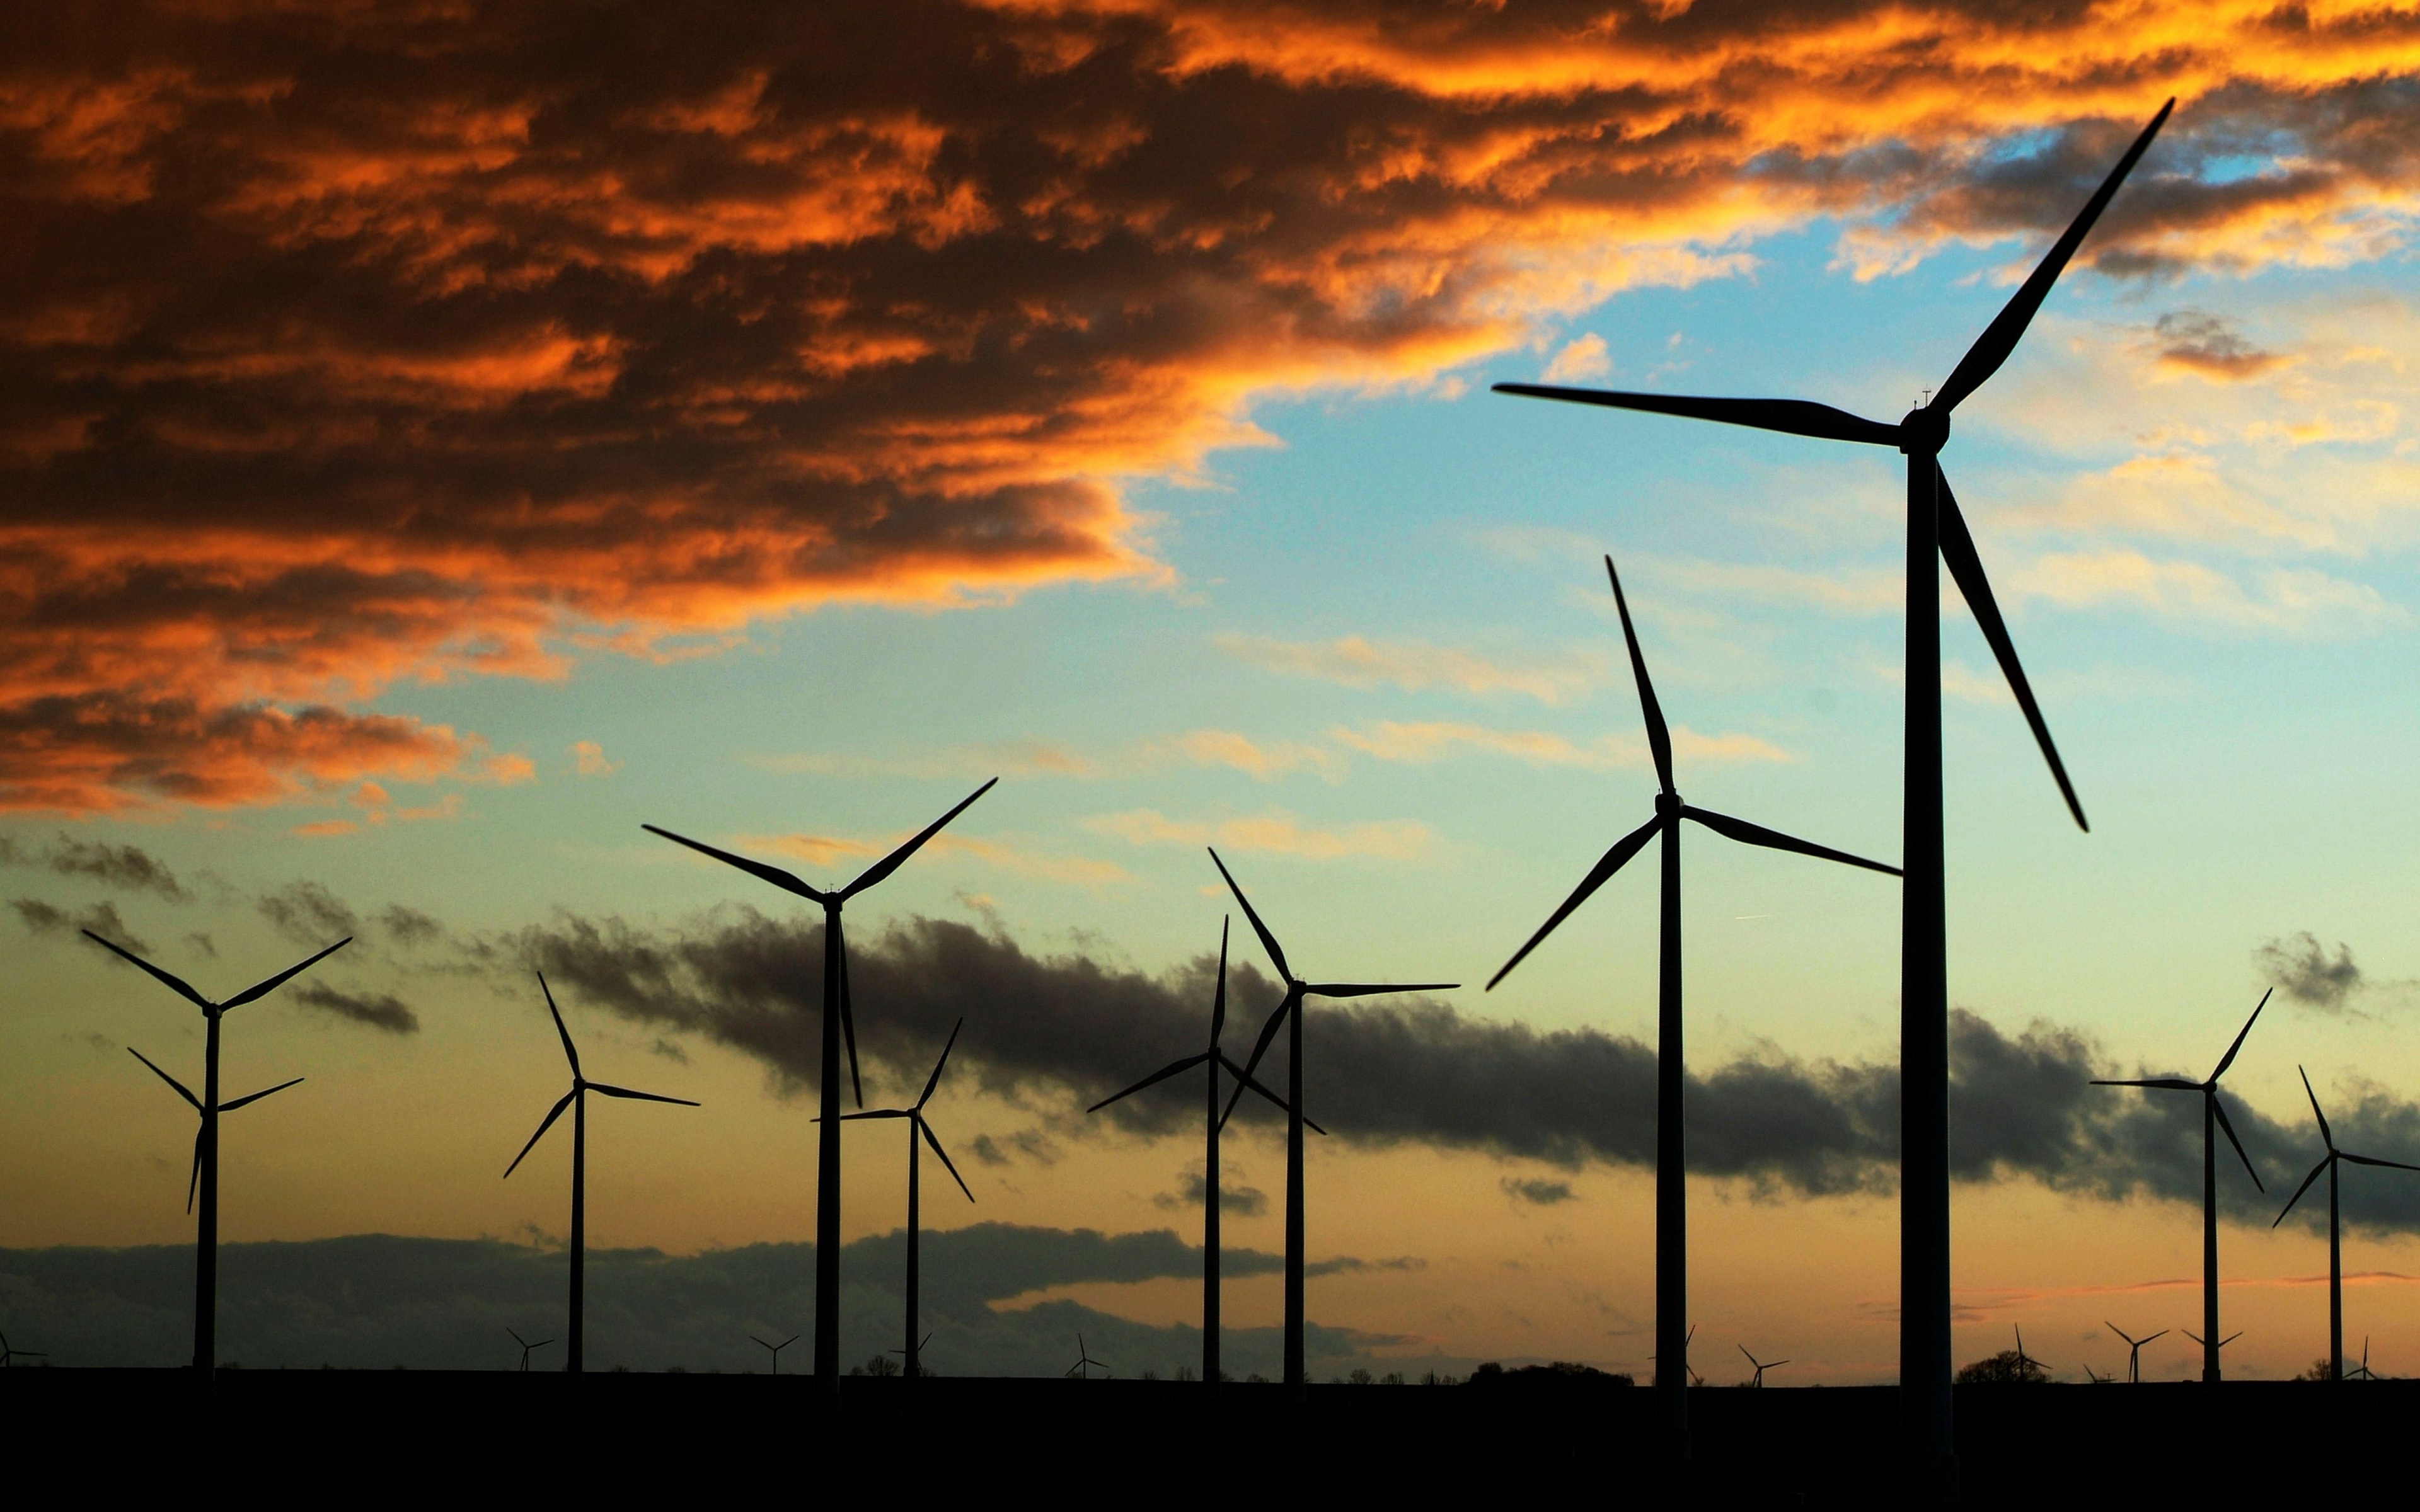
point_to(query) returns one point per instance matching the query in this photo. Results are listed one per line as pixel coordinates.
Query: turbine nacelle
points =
(1924, 431)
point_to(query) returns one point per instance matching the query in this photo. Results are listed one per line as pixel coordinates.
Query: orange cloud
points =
(358, 347)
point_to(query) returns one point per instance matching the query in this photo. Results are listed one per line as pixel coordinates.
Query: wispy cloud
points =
(1276, 832)
(1263, 759)
(1582, 359)
(1425, 743)
(833, 849)
(1417, 665)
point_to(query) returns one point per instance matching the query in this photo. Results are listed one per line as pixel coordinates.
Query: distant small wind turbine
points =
(1687, 1339)
(2096, 1378)
(1215, 1059)
(2362, 1371)
(2328, 1164)
(2214, 1121)
(1084, 1366)
(1762, 1365)
(527, 1345)
(2026, 1364)
(576, 1100)
(2210, 1350)
(205, 1179)
(2133, 1350)
(9, 1355)
(838, 1022)
(1935, 531)
(776, 1349)
(914, 1114)
(1289, 1012)
(1671, 1072)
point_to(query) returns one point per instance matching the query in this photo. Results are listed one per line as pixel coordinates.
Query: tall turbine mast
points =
(914, 1114)
(2329, 1162)
(205, 1179)
(1936, 532)
(1672, 1077)
(835, 1025)
(1288, 1016)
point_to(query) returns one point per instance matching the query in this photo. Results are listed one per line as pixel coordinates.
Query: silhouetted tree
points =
(2006, 1369)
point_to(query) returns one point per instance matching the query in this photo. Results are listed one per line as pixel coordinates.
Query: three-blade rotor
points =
(192, 1183)
(2327, 1137)
(253, 994)
(914, 1113)
(579, 1083)
(2209, 1089)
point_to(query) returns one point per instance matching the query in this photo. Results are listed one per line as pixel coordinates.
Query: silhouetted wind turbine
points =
(1762, 1365)
(2024, 1359)
(835, 995)
(1687, 1339)
(914, 1114)
(2211, 1115)
(2210, 1350)
(1671, 1163)
(776, 1349)
(206, 1143)
(9, 1355)
(2362, 1372)
(2133, 1350)
(1289, 1012)
(1215, 1059)
(576, 1100)
(1936, 531)
(1082, 1369)
(2095, 1377)
(527, 1345)
(2329, 1162)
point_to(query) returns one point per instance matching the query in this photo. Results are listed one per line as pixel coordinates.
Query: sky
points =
(439, 439)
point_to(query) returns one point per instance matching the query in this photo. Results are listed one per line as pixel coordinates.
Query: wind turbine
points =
(1935, 530)
(2212, 1115)
(2134, 1350)
(1687, 1339)
(835, 995)
(1289, 1012)
(776, 1349)
(206, 1144)
(2026, 1364)
(1216, 1059)
(2362, 1371)
(2095, 1377)
(576, 1100)
(1082, 1369)
(1762, 1366)
(2210, 1350)
(1671, 1163)
(914, 1114)
(527, 1345)
(2329, 1162)
(9, 1356)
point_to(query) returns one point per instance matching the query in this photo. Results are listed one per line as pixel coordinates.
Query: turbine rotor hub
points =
(1924, 431)
(1668, 805)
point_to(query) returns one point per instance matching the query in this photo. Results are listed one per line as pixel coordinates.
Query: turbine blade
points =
(231, 1107)
(836, 939)
(639, 1096)
(2229, 1059)
(774, 874)
(2229, 1130)
(872, 1113)
(926, 1129)
(935, 1080)
(1966, 567)
(1774, 839)
(1659, 738)
(194, 1182)
(1291, 1003)
(1373, 989)
(1624, 849)
(1268, 941)
(2166, 1084)
(1793, 417)
(176, 983)
(553, 1114)
(2372, 1160)
(165, 1077)
(262, 989)
(1171, 1069)
(1219, 1002)
(2327, 1137)
(1280, 1103)
(2000, 337)
(570, 1052)
(897, 858)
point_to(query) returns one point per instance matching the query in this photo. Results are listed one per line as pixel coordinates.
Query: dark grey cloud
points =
(2208, 344)
(1047, 1031)
(408, 926)
(373, 1301)
(1537, 1192)
(127, 867)
(377, 1011)
(1194, 1192)
(2303, 970)
(100, 918)
(308, 913)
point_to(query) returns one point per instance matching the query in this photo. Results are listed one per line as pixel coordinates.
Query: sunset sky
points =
(437, 438)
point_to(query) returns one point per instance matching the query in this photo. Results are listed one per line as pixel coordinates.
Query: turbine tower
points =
(1288, 1014)
(914, 1114)
(835, 1025)
(2329, 1162)
(1216, 1059)
(576, 1100)
(2134, 1350)
(205, 1178)
(1671, 1164)
(1935, 530)
(2212, 1116)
